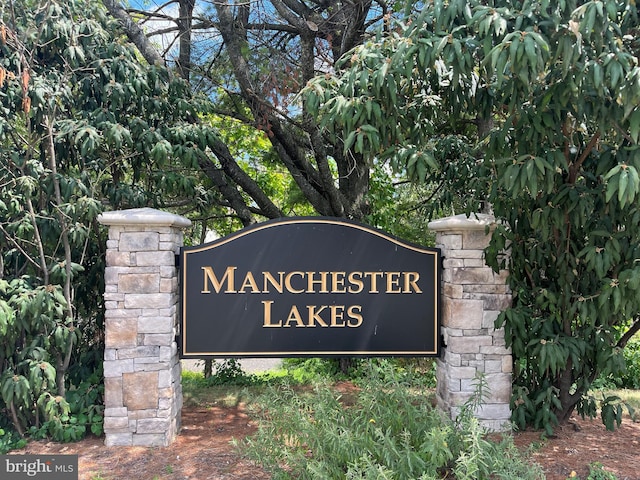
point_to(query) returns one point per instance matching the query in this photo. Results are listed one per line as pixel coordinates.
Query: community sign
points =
(309, 286)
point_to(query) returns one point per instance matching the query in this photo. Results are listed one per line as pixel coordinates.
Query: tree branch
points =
(15, 419)
(239, 176)
(635, 328)
(575, 167)
(39, 243)
(236, 202)
(134, 32)
(287, 147)
(184, 22)
(149, 15)
(17, 245)
(62, 364)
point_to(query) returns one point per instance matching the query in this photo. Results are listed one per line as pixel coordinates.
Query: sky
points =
(165, 41)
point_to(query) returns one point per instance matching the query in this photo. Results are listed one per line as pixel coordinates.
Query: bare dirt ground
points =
(203, 450)
(583, 442)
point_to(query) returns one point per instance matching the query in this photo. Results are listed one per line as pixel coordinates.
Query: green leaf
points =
(530, 51)
(623, 180)
(634, 125)
(8, 388)
(597, 75)
(350, 140)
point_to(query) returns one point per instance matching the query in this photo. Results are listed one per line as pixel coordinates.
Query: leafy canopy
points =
(542, 100)
(84, 125)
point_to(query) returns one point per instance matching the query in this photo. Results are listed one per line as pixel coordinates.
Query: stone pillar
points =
(143, 393)
(472, 297)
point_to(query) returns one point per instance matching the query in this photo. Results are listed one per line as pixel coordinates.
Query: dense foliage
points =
(630, 378)
(84, 125)
(384, 428)
(534, 106)
(251, 59)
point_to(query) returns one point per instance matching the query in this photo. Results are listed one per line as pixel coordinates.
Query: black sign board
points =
(309, 286)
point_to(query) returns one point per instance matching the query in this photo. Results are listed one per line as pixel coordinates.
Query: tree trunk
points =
(301, 148)
(62, 361)
(134, 32)
(184, 28)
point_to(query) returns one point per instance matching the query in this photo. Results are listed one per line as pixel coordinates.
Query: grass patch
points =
(229, 384)
(613, 405)
(199, 392)
(630, 399)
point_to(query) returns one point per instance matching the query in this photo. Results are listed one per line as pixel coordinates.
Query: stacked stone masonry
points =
(472, 298)
(143, 393)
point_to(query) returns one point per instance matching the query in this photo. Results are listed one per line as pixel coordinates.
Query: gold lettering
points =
(210, 275)
(337, 282)
(337, 313)
(287, 282)
(249, 282)
(322, 282)
(266, 322)
(411, 282)
(356, 285)
(373, 288)
(294, 316)
(393, 282)
(315, 282)
(314, 316)
(354, 312)
(268, 278)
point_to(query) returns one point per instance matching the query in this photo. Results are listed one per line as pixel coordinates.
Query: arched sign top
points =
(309, 286)
(298, 221)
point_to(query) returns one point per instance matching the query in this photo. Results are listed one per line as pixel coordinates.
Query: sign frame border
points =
(182, 269)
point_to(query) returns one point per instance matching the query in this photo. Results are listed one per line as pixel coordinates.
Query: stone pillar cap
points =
(477, 221)
(143, 216)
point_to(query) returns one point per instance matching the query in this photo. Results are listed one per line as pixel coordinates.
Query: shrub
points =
(10, 440)
(631, 376)
(385, 428)
(229, 372)
(306, 370)
(597, 472)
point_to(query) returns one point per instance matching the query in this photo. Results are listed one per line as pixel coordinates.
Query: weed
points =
(597, 472)
(388, 430)
(10, 440)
